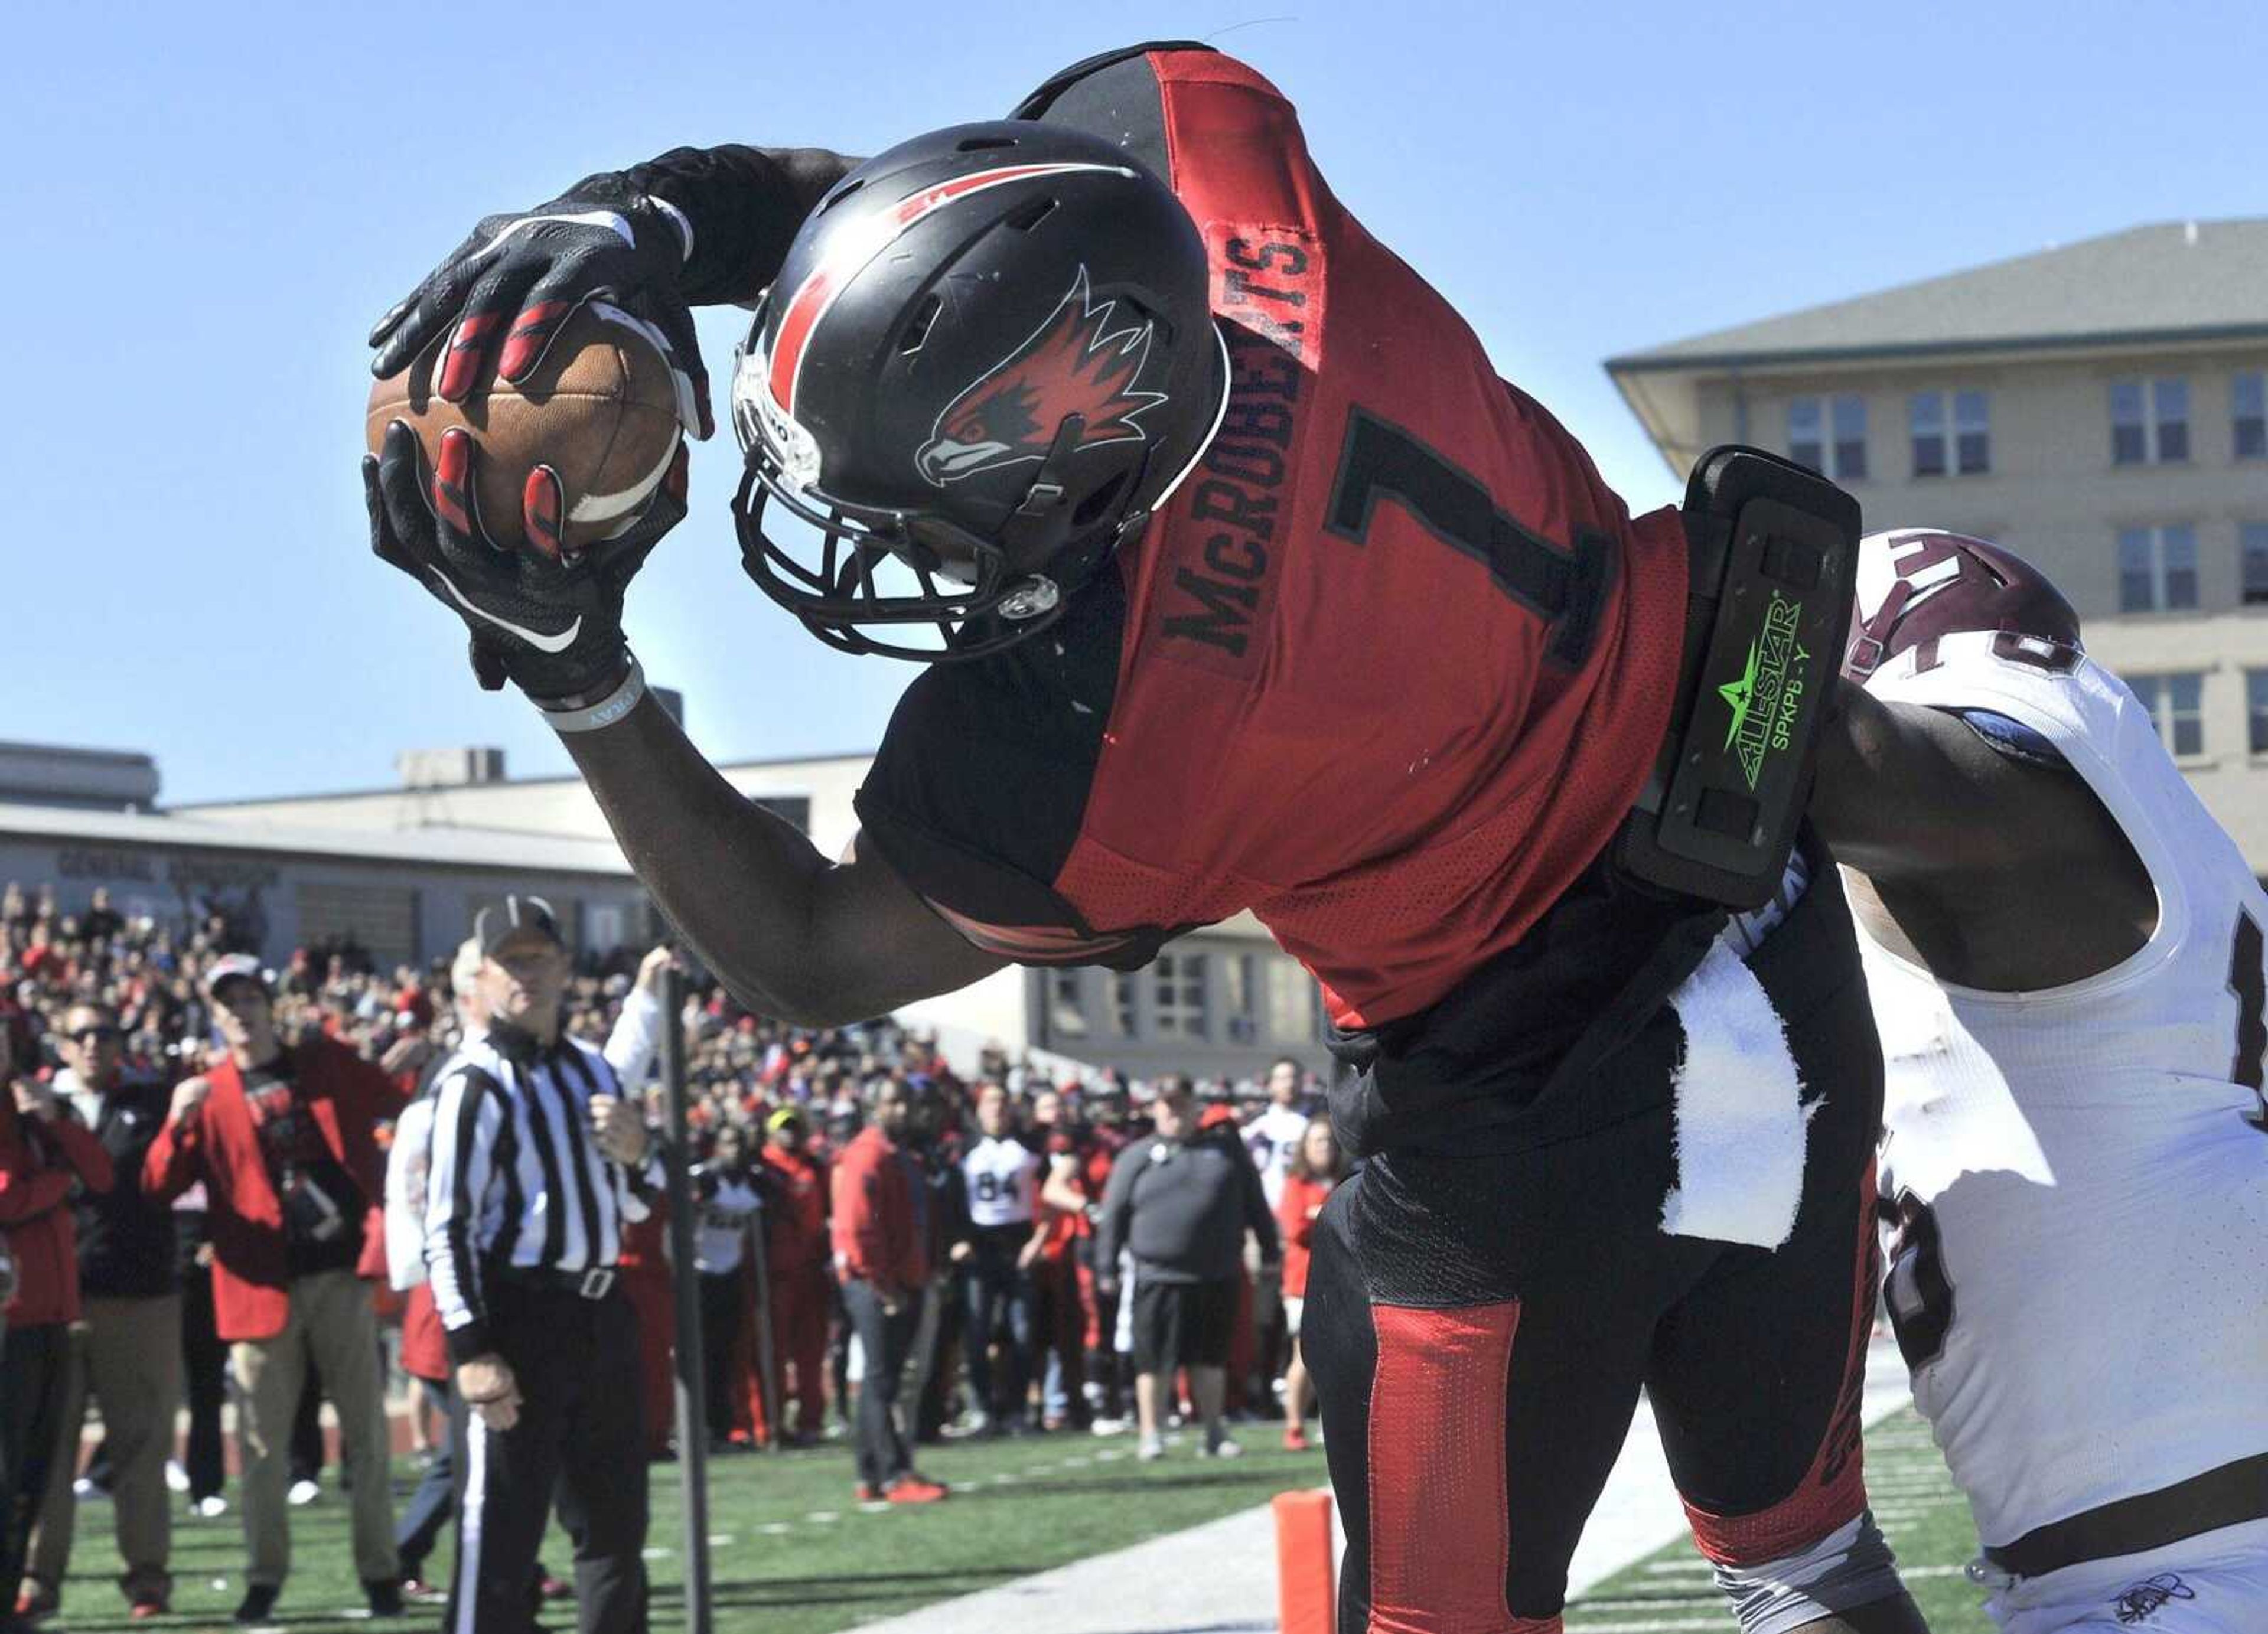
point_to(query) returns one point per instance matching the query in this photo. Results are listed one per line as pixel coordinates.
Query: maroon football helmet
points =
(1915, 585)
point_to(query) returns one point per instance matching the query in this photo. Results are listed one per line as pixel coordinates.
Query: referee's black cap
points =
(515, 915)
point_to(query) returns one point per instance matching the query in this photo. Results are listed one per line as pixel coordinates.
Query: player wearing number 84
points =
(2064, 953)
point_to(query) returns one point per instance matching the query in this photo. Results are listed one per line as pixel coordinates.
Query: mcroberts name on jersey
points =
(1272, 281)
(1215, 606)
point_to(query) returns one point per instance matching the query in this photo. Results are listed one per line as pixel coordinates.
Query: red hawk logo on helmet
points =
(1074, 363)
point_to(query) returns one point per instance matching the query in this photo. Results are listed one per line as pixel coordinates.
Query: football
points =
(601, 410)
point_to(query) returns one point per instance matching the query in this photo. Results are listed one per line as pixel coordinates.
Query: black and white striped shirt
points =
(516, 1177)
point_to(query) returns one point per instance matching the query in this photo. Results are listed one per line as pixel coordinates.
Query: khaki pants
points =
(332, 1321)
(128, 1354)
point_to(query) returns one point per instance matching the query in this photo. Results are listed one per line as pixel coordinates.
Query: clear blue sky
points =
(206, 205)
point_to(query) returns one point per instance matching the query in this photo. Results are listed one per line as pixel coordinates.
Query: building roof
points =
(2185, 280)
(450, 847)
(385, 791)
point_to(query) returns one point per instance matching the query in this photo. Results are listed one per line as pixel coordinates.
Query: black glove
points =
(553, 626)
(517, 278)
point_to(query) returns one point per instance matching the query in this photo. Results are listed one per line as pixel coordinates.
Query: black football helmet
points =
(988, 354)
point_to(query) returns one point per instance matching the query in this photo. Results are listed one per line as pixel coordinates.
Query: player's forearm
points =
(735, 879)
(744, 205)
(1888, 793)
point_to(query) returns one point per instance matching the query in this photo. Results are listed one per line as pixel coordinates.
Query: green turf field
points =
(791, 1554)
(1925, 1520)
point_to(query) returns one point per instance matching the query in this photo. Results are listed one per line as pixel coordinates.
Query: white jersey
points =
(2080, 1175)
(1003, 1181)
(1273, 1139)
(721, 1226)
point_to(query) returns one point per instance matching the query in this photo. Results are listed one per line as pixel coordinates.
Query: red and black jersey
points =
(1387, 669)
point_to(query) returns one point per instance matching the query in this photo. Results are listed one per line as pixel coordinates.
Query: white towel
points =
(1740, 1112)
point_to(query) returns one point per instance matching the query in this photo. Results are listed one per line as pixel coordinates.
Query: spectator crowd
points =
(193, 1185)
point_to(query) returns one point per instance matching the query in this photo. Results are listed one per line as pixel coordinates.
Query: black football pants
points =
(999, 1294)
(1480, 1326)
(582, 1434)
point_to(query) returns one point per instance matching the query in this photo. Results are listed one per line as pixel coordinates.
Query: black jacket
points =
(127, 1242)
(1183, 1208)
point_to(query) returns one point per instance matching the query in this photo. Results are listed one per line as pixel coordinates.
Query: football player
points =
(1243, 582)
(2064, 953)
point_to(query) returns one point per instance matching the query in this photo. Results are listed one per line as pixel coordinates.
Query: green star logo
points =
(1736, 695)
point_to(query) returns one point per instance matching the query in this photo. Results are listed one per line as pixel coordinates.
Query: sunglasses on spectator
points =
(99, 1035)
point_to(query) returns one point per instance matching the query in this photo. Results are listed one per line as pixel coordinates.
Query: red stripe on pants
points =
(1833, 1490)
(1441, 1543)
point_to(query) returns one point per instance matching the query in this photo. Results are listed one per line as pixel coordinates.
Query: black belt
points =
(596, 1283)
(2225, 1497)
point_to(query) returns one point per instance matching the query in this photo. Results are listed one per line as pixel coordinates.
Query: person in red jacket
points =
(1316, 1166)
(283, 1140)
(44, 1153)
(795, 1215)
(880, 1253)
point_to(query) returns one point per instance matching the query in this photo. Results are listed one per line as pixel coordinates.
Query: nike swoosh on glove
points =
(552, 626)
(516, 279)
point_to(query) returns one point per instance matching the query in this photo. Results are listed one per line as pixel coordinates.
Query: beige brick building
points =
(2102, 408)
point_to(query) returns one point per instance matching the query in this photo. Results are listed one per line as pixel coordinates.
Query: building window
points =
(1067, 1003)
(1291, 1000)
(2255, 710)
(2252, 554)
(2175, 704)
(1972, 433)
(1850, 413)
(1178, 990)
(2149, 421)
(2249, 408)
(380, 919)
(2157, 568)
(1809, 421)
(1123, 1003)
(1968, 450)
(602, 928)
(1240, 976)
(1806, 434)
(1926, 416)
(2169, 407)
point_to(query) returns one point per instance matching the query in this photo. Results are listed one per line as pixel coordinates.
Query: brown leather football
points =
(601, 410)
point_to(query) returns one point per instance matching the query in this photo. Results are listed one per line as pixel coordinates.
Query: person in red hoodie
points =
(283, 1138)
(795, 1217)
(880, 1255)
(1317, 1166)
(44, 1151)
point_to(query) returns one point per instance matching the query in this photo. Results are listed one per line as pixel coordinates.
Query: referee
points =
(537, 1166)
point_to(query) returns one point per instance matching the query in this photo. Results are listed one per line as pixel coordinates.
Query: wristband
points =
(607, 710)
